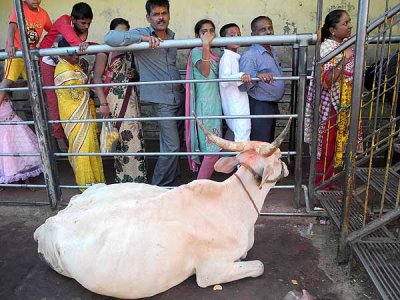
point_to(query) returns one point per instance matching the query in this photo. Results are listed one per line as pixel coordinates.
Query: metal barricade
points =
(300, 43)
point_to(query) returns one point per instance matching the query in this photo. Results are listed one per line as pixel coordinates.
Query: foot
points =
(62, 145)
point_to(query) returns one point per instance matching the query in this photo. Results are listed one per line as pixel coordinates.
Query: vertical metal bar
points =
(300, 121)
(317, 100)
(350, 158)
(293, 101)
(37, 102)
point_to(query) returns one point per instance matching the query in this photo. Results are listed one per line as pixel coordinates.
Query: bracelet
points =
(205, 59)
(104, 104)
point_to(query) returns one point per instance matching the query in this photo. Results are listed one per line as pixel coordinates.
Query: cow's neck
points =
(251, 184)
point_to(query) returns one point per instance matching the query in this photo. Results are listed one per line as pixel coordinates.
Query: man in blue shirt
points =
(167, 100)
(260, 61)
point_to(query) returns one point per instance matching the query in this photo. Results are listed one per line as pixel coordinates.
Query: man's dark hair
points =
(150, 4)
(223, 30)
(81, 11)
(118, 21)
(256, 20)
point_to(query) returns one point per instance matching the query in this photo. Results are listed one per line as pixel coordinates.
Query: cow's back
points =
(117, 246)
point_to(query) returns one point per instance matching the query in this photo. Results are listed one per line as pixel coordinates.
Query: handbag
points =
(109, 138)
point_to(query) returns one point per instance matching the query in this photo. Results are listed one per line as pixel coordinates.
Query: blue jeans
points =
(167, 167)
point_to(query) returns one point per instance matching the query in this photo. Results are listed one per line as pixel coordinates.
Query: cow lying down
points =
(134, 240)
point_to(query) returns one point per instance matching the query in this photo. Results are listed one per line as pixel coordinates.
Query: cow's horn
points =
(224, 144)
(269, 149)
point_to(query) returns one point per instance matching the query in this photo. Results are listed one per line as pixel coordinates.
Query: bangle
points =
(205, 59)
(104, 104)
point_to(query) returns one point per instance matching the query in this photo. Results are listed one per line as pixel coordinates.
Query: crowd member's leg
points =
(263, 129)
(13, 69)
(52, 104)
(324, 166)
(167, 167)
(207, 166)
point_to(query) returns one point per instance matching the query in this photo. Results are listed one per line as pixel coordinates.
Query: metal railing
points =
(300, 43)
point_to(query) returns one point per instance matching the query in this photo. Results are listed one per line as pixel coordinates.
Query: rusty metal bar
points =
(317, 101)
(300, 122)
(37, 102)
(374, 225)
(293, 100)
(350, 159)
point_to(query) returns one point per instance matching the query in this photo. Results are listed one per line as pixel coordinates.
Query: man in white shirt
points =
(234, 102)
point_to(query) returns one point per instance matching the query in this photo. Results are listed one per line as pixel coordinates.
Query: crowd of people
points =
(241, 97)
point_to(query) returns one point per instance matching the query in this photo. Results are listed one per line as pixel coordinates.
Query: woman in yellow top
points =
(75, 104)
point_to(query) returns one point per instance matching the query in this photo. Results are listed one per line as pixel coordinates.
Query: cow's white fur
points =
(135, 240)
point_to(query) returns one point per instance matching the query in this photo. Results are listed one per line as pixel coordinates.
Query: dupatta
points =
(191, 130)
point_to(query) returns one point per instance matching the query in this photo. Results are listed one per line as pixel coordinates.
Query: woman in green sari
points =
(204, 99)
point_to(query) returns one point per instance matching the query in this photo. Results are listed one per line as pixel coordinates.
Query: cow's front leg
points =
(221, 272)
(251, 243)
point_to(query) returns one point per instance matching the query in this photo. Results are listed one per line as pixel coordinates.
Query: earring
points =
(333, 34)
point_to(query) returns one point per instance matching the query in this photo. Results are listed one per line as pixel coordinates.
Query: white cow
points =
(134, 240)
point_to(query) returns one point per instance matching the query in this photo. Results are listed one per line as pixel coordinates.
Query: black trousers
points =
(263, 129)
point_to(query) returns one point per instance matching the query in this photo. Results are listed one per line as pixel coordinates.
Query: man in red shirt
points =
(75, 30)
(37, 20)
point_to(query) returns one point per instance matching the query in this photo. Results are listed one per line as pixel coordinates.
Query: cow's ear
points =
(266, 173)
(226, 164)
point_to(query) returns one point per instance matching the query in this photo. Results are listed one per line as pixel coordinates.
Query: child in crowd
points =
(234, 102)
(37, 20)
(75, 103)
(17, 139)
(75, 30)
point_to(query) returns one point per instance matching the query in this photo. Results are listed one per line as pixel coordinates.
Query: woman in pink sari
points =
(122, 102)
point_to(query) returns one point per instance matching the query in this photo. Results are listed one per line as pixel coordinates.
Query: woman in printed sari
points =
(336, 81)
(204, 99)
(75, 104)
(122, 102)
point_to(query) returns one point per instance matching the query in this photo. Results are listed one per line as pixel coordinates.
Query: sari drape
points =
(75, 104)
(124, 103)
(334, 113)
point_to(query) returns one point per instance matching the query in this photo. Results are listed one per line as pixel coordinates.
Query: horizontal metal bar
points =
(181, 44)
(23, 203)
(136, 154)
(18, 185)
(139, 83)
(145, 119)
(394, 39)
(295, 214)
